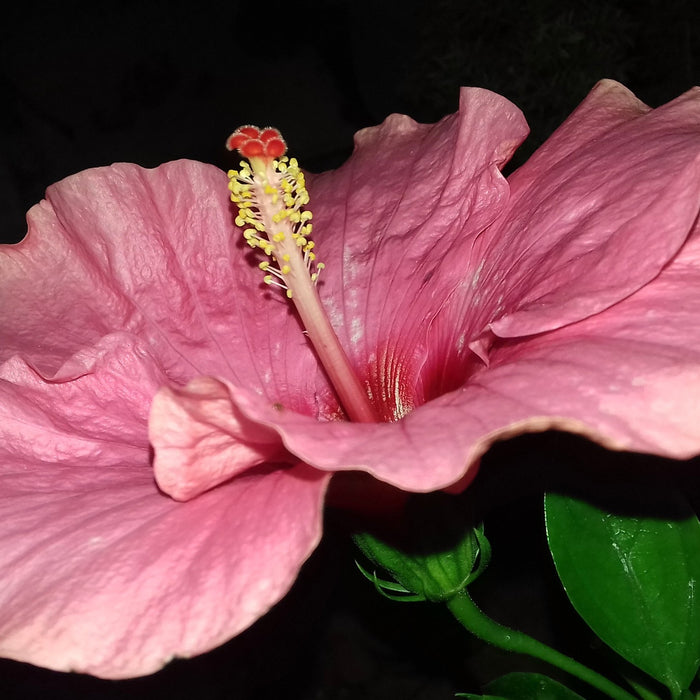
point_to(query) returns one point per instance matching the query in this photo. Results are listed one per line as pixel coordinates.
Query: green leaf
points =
(632, 571)
(530, 686)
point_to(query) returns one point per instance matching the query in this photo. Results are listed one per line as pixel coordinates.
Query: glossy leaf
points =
(530, 686)
(632, 572)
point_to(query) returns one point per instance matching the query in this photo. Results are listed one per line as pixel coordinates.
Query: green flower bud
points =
(438, 553)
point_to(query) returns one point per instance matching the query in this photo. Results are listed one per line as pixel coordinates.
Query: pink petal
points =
(104, 575)
(395, 226)
(201, 439)
(425, 451)
(154, 253)
(427, 274)
(607, 106)
(101, 572)
(92, 412)
(627, 378)
(595, 215)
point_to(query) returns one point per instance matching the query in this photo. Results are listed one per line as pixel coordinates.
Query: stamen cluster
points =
(270, 193)
(271, 196)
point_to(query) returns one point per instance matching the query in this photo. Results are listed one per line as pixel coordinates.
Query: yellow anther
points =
(270, 194)
(270, 197)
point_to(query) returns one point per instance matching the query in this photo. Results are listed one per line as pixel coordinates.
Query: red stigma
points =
(252, 142)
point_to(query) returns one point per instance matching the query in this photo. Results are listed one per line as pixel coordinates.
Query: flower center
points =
(270, 193)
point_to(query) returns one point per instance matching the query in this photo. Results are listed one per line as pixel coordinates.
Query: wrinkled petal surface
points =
(396, 225)
(411, 197)
(116, 292)
(627, 378)
(607, 246)
(153, 253)
(138, 341)
(201, 440)
(589, 226)
(103, 575)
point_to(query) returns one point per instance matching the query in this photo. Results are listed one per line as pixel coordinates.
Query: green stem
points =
(643, 692)
(486, 629)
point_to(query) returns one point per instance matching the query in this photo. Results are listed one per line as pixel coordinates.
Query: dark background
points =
(87, 84)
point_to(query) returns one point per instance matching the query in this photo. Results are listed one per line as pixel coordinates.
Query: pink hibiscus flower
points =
(136, 340)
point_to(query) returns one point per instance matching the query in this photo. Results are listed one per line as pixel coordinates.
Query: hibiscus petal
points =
(627, 378)
(592, 222)
(93, 411)
(144, 284)
(201, 440)
(102, 574)
(396, 223)
(608, 105)
(155, 253)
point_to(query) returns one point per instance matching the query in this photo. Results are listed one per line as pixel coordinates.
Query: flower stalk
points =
(480, 625)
